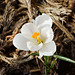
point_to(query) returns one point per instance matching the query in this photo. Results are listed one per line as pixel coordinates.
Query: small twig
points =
(62, 27)
(35, 70)
(5, 59)
(15, 60)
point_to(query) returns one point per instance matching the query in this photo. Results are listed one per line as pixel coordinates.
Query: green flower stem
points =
(51, 65)
(46, 65)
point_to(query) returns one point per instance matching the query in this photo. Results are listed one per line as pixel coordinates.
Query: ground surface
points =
(14, 13)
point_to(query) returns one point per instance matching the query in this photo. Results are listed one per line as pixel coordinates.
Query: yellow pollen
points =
(35, 35)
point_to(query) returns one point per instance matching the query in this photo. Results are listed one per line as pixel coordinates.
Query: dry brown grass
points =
(14, 13)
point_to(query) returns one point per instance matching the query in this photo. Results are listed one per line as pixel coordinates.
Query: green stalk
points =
(51, 65)
(46, 65)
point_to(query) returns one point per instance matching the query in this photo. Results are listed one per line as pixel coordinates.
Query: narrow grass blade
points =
(52, 65)
(64, 58)
(34, 54)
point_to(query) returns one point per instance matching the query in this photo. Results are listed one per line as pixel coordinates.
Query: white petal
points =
(43, 20)
(34, 47)
(29, 29)
(20, 42)
(48, 49)
(47, 34)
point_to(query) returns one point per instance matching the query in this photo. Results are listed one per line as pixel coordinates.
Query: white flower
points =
(37, 36)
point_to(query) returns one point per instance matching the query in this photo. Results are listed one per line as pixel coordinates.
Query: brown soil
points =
(15, 13)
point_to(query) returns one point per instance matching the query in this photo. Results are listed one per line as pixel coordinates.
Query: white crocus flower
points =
(37, 36)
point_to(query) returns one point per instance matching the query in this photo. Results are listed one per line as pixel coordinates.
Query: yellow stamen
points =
(39, 40)
(35, 35)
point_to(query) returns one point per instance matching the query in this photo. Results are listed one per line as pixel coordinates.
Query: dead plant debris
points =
(15, 13)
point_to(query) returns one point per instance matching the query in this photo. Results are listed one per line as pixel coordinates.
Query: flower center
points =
(35, 35)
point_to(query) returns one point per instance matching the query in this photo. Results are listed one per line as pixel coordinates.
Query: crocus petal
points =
(47, 34)
(34, 47)
(48, 49)
(29, 29)
(20, 42)
(43, 20)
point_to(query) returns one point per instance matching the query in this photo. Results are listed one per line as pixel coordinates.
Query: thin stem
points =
(46, 65)
(51, 65)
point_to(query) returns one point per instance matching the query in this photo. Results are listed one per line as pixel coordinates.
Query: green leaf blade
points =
(52, 64)
(64, 58)
(34, 54)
